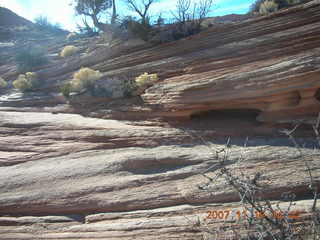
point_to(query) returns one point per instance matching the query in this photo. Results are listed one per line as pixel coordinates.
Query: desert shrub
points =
(29, 59)
(26, 82)
(268, 7)
(138, 28)
(145, 79)
(3, 83)
(68, 51)
(129, 87)
(174, 32)
(66, 89)
(84, 79)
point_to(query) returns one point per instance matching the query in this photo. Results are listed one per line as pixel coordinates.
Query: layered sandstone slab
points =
(64, 176)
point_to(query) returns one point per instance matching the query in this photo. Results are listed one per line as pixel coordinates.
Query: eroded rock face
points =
(270, 64)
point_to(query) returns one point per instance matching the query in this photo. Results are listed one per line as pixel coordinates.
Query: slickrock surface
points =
(70, 176)
(64, 176)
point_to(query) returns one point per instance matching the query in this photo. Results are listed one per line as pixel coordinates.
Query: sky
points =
(59, 11)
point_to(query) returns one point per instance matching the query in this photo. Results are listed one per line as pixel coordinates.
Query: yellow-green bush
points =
(3, 83)
(84, 78)
(65, 89)
(268, 6)
(145, 79)
(68, 51)
(26, 81)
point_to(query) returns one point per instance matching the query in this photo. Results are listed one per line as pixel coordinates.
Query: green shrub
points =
(3, 83)
(69, 51)
(129, 87)
(29, 59)
(66, 89)
(268, 6)
(26, 82)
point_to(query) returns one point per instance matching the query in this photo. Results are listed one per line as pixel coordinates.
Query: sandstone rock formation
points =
(67, 176)
(269, 64)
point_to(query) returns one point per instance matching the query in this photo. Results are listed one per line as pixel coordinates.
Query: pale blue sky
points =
(61, 12)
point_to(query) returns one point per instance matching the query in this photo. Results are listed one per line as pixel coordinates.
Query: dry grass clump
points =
(69, 51)
(84, 78)
(3, 83)
(145, 79)
(268, 6)
(26, 82)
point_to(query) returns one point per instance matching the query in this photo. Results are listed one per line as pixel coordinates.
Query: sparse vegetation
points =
(141, 7)
(268, 6)
(26, 82)
(30, 59)
(3, 83)
(69, 51)
(138, 28)
(189, 18)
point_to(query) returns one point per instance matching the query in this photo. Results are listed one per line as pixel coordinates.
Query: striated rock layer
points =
(64, 176)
